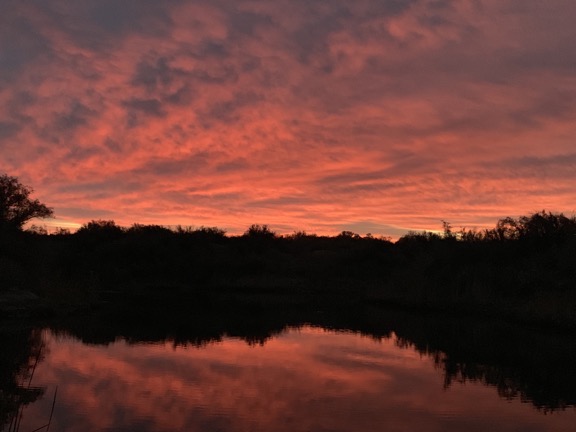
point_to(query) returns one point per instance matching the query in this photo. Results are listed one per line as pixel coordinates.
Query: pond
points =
(305, 377)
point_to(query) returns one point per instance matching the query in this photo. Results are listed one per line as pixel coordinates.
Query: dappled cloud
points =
(378, 116)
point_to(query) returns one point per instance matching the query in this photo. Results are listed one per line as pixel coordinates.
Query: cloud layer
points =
(377, 116)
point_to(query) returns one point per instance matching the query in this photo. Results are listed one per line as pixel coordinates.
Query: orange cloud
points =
(380, 116)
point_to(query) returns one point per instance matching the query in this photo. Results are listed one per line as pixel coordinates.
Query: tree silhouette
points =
(16, 206)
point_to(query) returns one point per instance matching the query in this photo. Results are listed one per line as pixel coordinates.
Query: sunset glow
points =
(369, 116)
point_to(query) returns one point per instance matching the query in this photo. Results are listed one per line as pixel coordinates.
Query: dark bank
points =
(522, 270)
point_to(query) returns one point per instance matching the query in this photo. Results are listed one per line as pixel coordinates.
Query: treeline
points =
(522, 269)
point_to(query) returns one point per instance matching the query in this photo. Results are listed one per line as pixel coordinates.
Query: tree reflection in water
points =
(21, 349)
(522, 363)
(533, 365)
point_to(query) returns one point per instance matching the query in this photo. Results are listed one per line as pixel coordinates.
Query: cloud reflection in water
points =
(304, 379)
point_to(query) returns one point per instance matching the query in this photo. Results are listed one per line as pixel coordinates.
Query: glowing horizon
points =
(371, 116)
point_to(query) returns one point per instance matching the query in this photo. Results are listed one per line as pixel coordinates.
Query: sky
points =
(372, 116)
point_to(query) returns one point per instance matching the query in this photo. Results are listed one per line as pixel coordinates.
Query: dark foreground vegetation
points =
(522, 270)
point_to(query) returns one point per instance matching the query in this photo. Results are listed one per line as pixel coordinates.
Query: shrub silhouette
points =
(101, 230)
(541, 228)
(257, 231)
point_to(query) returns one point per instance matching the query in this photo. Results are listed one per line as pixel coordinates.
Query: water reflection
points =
(379, 370)
(21, 349)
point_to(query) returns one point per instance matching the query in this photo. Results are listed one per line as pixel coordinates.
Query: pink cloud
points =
(303, 116)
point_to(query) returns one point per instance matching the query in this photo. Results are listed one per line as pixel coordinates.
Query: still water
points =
(303, 378)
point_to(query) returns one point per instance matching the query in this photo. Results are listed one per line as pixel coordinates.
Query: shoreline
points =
(26, 306)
